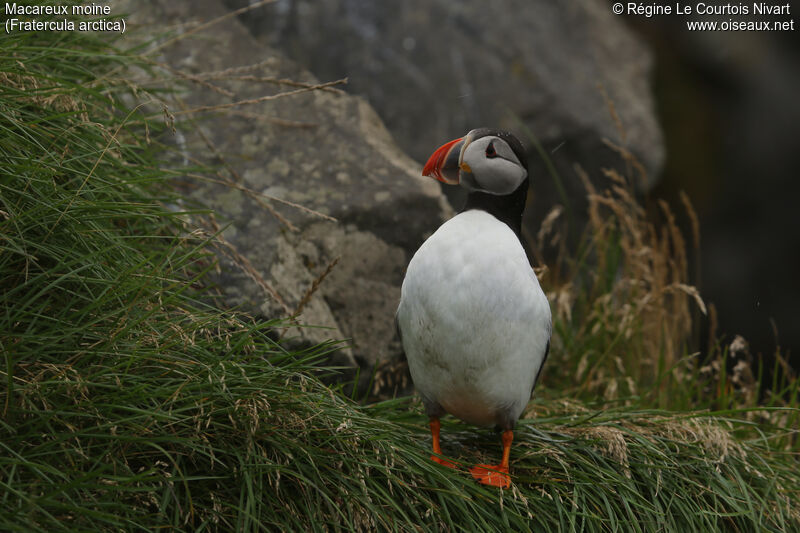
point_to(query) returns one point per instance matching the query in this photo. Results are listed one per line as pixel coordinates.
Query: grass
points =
(128, 403)
(243, 444)
(623, 301)
(626, 314)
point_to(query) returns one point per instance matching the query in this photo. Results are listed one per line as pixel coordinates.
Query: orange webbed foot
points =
(492, 475)
(496, 475)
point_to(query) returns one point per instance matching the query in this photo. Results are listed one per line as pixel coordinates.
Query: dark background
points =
(729, 106)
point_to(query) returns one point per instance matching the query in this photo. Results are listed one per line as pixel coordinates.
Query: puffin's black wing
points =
(403, 356)
(544, 360)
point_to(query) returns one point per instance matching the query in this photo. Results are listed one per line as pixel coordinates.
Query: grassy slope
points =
(128, 404)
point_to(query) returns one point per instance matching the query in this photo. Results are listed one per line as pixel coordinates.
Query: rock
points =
(324, 150)
(434, 69)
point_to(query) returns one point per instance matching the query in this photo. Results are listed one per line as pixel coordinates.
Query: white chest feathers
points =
(474, 321)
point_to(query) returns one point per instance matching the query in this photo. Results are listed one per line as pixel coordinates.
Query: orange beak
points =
(443, 164)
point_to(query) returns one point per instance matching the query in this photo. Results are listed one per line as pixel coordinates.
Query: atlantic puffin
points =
(473, 320)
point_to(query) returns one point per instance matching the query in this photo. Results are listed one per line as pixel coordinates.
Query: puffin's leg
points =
(435, 426)
(496, 475)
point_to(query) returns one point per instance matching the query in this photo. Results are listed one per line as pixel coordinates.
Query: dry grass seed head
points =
(648, 302)
(50, 99)
(547, 226)
(717, 442)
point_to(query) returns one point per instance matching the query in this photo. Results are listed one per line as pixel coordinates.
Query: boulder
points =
(569, 73)
(362, 200)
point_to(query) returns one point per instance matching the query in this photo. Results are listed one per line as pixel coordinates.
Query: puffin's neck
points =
(507, 208)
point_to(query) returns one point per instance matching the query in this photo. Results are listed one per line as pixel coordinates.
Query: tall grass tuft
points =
(623, 303)
(626, 312)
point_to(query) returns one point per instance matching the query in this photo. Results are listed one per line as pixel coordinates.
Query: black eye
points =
(490, 151)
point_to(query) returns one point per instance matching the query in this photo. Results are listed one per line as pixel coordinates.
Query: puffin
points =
(473, 320)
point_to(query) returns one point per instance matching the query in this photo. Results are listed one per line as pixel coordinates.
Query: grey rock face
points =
(435, 69)
(325, 150)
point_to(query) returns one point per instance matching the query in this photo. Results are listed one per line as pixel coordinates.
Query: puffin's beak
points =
(444, 163)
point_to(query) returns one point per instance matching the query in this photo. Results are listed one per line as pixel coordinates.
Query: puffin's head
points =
(485, 159)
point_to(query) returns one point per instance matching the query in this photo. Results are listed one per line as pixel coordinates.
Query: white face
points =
(489, 164)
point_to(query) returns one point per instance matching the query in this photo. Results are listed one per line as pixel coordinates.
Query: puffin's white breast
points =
(474, 320)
